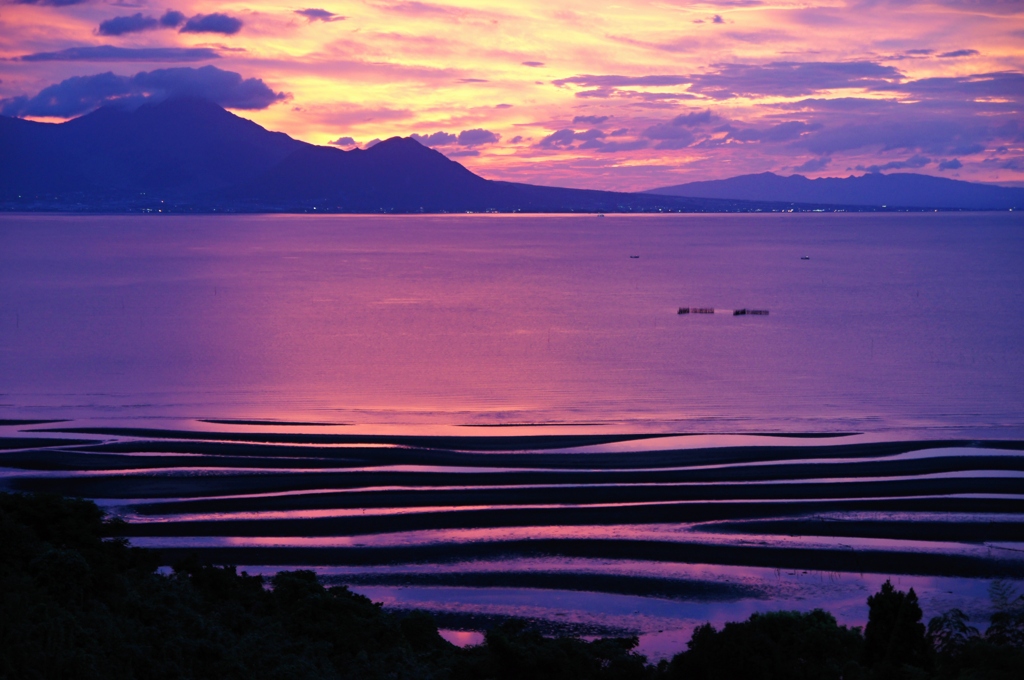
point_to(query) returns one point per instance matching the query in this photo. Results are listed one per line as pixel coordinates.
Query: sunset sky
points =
(624, 96)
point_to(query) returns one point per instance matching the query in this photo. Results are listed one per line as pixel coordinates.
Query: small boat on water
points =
(600, 214)
(805, 257)
(634, 257)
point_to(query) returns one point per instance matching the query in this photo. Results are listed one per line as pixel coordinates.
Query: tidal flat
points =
(497, 416)
(561, 531)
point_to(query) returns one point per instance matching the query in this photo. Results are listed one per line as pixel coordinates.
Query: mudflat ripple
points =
(440, 522)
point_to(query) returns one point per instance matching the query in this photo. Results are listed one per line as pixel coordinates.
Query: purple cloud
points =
(313, 14)
(343, 141)
(935, 135)
(791, 79)
(669, 131)
(134, 23)
(112, 53)
(439, 138)
(172, 19)
(81, 94)
(477, 137)
(560, 138)
(952, 164)
(49, 3)
(674, 144)
(783, 132)
(726, 81)
(212, 23)
(590, 120)
(622, 81)
(417, 8)
(1009, 84)
(650, 99)
(959, 53)
(813, 165)
(841, 105)
(694, 118)
(617, 147)
(468, 138)
(914, 162)
(592, 139)
(533, 64)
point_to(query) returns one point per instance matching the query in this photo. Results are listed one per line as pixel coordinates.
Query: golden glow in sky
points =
(609, 95)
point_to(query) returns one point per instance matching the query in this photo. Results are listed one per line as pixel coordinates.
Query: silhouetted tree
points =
(894, 636)
(1007, 621)
(949, 632)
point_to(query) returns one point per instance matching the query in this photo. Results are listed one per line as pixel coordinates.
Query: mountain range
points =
(192, 155)
(182, 154)
(895, 190)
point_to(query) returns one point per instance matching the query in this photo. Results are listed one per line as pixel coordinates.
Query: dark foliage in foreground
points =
(74, 604)
(773, 645)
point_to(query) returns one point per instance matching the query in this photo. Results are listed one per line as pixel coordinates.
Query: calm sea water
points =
(897, 326)
(897, 321)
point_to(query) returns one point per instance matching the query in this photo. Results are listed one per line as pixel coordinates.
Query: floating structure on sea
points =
(711, 310)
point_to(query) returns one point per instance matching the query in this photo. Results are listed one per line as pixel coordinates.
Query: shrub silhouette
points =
(779, 645)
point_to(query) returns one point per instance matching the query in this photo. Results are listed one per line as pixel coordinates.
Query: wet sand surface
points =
(588, 534)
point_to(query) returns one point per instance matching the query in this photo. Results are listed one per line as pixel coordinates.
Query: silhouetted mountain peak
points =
(394, 143)
(408, 150)
(398, 171)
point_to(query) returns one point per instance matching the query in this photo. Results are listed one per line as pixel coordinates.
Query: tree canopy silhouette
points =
(76, 602)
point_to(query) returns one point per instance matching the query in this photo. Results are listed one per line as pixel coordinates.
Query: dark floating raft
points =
(711, 310)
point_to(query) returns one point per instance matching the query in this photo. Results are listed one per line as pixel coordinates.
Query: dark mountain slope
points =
(401, 175)
(907, 190)
(395, 173)
(177, 147)
(183, 155)
(192, 155)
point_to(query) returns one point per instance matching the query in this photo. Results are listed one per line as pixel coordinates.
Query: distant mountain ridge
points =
(897, 190)
(190, 155)
(184, 155)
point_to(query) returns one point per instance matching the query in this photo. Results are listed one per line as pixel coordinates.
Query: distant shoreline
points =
(136, 211)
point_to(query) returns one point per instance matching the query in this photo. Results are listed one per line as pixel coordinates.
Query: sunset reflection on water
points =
(444, 412)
